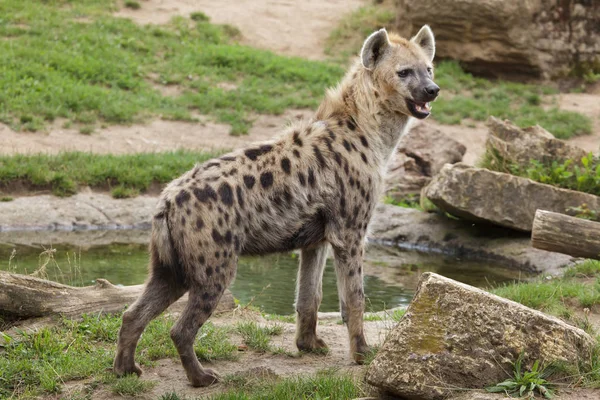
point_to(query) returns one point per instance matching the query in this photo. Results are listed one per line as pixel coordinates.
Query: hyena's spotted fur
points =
(315, 186)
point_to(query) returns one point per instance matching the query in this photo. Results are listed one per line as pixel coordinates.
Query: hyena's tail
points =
(165, 258)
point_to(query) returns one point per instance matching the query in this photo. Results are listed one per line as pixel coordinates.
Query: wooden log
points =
(565, 234)
(24, 296)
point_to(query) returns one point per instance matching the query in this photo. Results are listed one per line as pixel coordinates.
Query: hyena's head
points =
(402, 70)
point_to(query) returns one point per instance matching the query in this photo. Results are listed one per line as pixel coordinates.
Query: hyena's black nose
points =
(432, 90)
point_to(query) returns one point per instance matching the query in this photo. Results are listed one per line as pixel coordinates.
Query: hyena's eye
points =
(429, 70)
(404, 73)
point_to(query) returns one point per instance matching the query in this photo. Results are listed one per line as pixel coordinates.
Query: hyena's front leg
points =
(309, 293)
(349, 271)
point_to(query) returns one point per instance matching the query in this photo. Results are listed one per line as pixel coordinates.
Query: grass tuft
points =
(327, 384)
(134, 5)
(258, 337)
(131, 386)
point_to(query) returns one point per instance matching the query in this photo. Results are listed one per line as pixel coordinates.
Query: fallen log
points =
(23, 296)
(565, 234)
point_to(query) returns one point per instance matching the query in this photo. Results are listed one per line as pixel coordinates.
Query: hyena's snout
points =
(430, 91)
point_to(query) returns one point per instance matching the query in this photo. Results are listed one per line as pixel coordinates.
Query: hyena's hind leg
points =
(309, 294)
(204, 295)
(160, 292)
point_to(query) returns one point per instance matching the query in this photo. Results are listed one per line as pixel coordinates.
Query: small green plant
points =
(410, 201)
(132, 386)
(134, 5)
(123, 192)
(199, 16)
(582, 176)
(584, 212)
(258, 337)
(6, 199)
(525, 384)
(86, 130)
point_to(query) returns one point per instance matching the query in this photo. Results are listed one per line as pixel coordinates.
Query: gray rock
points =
(508, 145)
(542, 38)
(421, 153)
(457, 336)
(412, 229)
(481, 195)
(83, 211)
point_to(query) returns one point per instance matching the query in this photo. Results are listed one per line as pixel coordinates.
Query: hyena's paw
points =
(120, 369)
(205, 378)
(362, 352)
(311, 344)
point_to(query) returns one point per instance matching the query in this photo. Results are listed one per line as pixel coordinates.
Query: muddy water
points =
(391, 275)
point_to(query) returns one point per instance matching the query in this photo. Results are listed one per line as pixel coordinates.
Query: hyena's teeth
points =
(423, 108)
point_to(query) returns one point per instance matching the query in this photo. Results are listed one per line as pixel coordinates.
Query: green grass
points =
(258, 337)
(131, 386)
(126, 174)
(290, 319)
(477, 99)
(394, 316)
(463, 96)
(409, 201)
(74, 60)
(586, 269)
(328, 384)
(554, 296)
(39, 363)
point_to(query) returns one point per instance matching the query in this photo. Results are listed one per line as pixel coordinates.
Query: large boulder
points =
(421, 153)
(481, 195)
(509, 146)
(540, 38)
(457, 336)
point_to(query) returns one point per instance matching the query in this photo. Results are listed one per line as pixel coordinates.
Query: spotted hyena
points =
(314, 186)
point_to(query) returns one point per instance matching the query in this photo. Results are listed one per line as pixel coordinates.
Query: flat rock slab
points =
(456, 336)
(83, 211)
(481, 195)
(412, 229)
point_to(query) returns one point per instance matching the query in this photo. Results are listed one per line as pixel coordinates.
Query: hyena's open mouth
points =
(418, 109)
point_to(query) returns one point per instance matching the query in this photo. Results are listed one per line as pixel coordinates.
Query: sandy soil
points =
(291, 27)
(586, 104)
(157, 135)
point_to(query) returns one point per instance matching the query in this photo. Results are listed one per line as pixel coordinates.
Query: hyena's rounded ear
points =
(426, 41)
(373, 48)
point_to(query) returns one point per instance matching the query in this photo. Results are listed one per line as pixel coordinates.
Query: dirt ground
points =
(157, 135)
(290, 27)
(170, 376)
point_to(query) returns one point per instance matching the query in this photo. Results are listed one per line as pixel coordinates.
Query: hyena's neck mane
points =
(356, 97)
